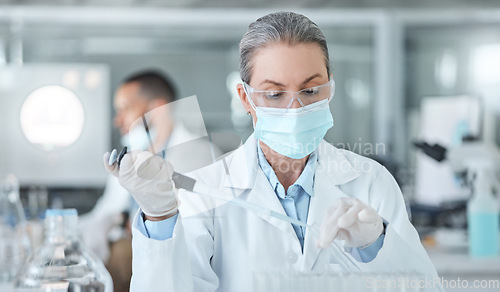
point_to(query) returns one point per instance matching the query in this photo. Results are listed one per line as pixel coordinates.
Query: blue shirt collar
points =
(305, 180)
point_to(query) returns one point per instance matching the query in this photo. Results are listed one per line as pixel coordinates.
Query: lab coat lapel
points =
(245, 173)
(332, 170)
(241, 166)
(262, 194)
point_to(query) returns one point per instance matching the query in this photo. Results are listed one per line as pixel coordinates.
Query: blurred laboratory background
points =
(417, 89)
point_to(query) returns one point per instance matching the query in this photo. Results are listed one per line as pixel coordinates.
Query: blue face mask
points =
(295, 132)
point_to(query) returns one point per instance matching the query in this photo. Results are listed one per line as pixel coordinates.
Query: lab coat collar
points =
(242, 166)
(334, 164)
(245, 173)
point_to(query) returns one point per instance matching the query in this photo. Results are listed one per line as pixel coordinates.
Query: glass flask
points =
(63, 262)
(38, 198)
(14, 240)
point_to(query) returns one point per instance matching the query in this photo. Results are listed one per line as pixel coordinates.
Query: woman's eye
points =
(310, 91)
(273, 94)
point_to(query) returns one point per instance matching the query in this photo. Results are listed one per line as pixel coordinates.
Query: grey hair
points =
(289, 27)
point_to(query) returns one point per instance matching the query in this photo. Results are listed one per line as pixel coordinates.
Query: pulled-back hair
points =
(288, 27)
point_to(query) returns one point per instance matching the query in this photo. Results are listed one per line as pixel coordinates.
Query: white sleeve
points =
(181, 263)
(402, 250)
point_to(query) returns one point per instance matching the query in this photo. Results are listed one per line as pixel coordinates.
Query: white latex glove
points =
(350, 220)
(149, 179)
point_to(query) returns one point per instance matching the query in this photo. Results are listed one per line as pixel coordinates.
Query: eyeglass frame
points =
(295, 93)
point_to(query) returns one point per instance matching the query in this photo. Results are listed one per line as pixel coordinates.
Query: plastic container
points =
(483, 218)
(63, 262)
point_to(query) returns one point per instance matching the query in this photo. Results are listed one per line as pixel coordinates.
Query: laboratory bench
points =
(449, 254)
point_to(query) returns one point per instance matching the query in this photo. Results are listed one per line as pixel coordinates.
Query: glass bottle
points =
(14, 240)
(63, 262)
(38, 198)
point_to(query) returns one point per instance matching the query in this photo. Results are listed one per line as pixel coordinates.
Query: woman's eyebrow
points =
(272, 82)
(311, 78)
(282, 85)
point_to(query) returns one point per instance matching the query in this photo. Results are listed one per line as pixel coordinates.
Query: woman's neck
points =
(287, 169)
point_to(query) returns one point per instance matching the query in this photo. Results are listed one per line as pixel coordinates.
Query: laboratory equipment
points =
(435, 181)
(483, 217)
(148, 133)
(63, 263)
(38, 199)
(122, 153)
(14, 240)
(293, 281)
(465, 158)
(112, 157)
(477, 162)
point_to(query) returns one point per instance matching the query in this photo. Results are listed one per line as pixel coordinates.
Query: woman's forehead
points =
(285, 63)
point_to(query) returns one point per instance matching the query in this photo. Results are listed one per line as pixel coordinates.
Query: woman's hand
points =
(149, 179)
(350, 220)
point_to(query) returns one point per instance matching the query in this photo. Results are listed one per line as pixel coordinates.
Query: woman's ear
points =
(244, 98)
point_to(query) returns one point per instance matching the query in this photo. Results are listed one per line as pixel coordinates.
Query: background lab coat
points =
(218, 249)
(116, 199)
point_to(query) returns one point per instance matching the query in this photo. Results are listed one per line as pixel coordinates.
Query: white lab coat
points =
(219, 249)
(97, 223)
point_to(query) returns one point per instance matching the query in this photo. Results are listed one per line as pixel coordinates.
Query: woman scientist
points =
(183, 242)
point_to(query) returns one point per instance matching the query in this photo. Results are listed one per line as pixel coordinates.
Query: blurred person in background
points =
(106, 228)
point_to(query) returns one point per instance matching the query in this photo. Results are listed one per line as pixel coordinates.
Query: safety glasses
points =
(284, 99)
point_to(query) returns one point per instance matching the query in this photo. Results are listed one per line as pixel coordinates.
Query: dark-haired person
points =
(144, 93)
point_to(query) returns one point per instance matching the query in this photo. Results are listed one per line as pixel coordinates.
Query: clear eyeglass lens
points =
(283, 99)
